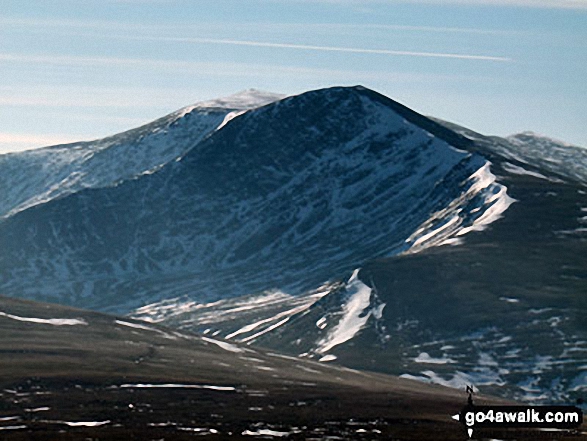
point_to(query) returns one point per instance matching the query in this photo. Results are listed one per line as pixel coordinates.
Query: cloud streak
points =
(552, 4)
(99, 25)
(19, 138)
(306, 47)
(535, 4)
(211, 67)
(205, 70)
(61, 24)
(543, 4)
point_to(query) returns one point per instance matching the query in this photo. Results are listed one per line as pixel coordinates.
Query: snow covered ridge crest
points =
(241, 101)
(39, 176)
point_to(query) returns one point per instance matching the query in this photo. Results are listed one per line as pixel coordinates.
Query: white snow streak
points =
(264, 331)
(224, 345)
(353, 319)
(54, 322)
(265, 432)
(516, 170)
(499, 201)
(424, 357)
(86, 423)
(177, 386)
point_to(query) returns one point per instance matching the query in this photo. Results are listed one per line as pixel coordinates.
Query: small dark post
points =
(470, 391)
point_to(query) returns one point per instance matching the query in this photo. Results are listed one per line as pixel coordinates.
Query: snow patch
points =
(54, 322)
(230, 116)
(86, 423)
(424, 357)
(509, 299)
(12, 427)
(264, 331)
(177, 386)
(135, 326)
(354, 317)
(516, 170)
(10, 418)
(247, 99)
(499, 200)
(459, 380)
(322, 323)
(482, 203)
(579, 383)
(224, 345)
(265, 432)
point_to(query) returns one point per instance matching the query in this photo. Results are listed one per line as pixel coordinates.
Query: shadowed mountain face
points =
(504, 309)
(283, 197)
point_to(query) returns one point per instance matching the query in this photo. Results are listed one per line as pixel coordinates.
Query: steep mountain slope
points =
(530, 150)
(504, 310)
(38, 176)
(72, 374)
(282, 197)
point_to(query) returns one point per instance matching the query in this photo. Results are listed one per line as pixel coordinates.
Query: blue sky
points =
(82, 69)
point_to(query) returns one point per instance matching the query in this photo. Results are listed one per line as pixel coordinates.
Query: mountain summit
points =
(281, 197)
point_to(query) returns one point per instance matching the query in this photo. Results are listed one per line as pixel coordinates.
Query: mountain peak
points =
(243, 100)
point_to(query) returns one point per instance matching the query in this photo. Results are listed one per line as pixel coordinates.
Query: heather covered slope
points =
(73, 374)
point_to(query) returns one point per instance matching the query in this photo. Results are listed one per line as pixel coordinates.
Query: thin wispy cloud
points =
(273, 45)
(548, 4)
(84, 96)
(411, 28)
(140, 63)
(40, 101)
(61, 24)
(261, 44)
(543, 4)
(37, 23)
(257, 72)
(89, 61)
(18, 138)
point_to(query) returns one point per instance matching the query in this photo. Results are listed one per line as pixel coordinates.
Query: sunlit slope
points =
(38, 176)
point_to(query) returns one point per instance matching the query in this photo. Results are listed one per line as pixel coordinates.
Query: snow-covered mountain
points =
(504, 310)
(336, 225)
(37, 176)
(283, 197)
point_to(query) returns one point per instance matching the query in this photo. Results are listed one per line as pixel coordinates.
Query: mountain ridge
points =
(250, 167)
(68, 168)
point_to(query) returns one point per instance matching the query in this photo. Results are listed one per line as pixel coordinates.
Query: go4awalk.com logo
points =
(531, 417)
